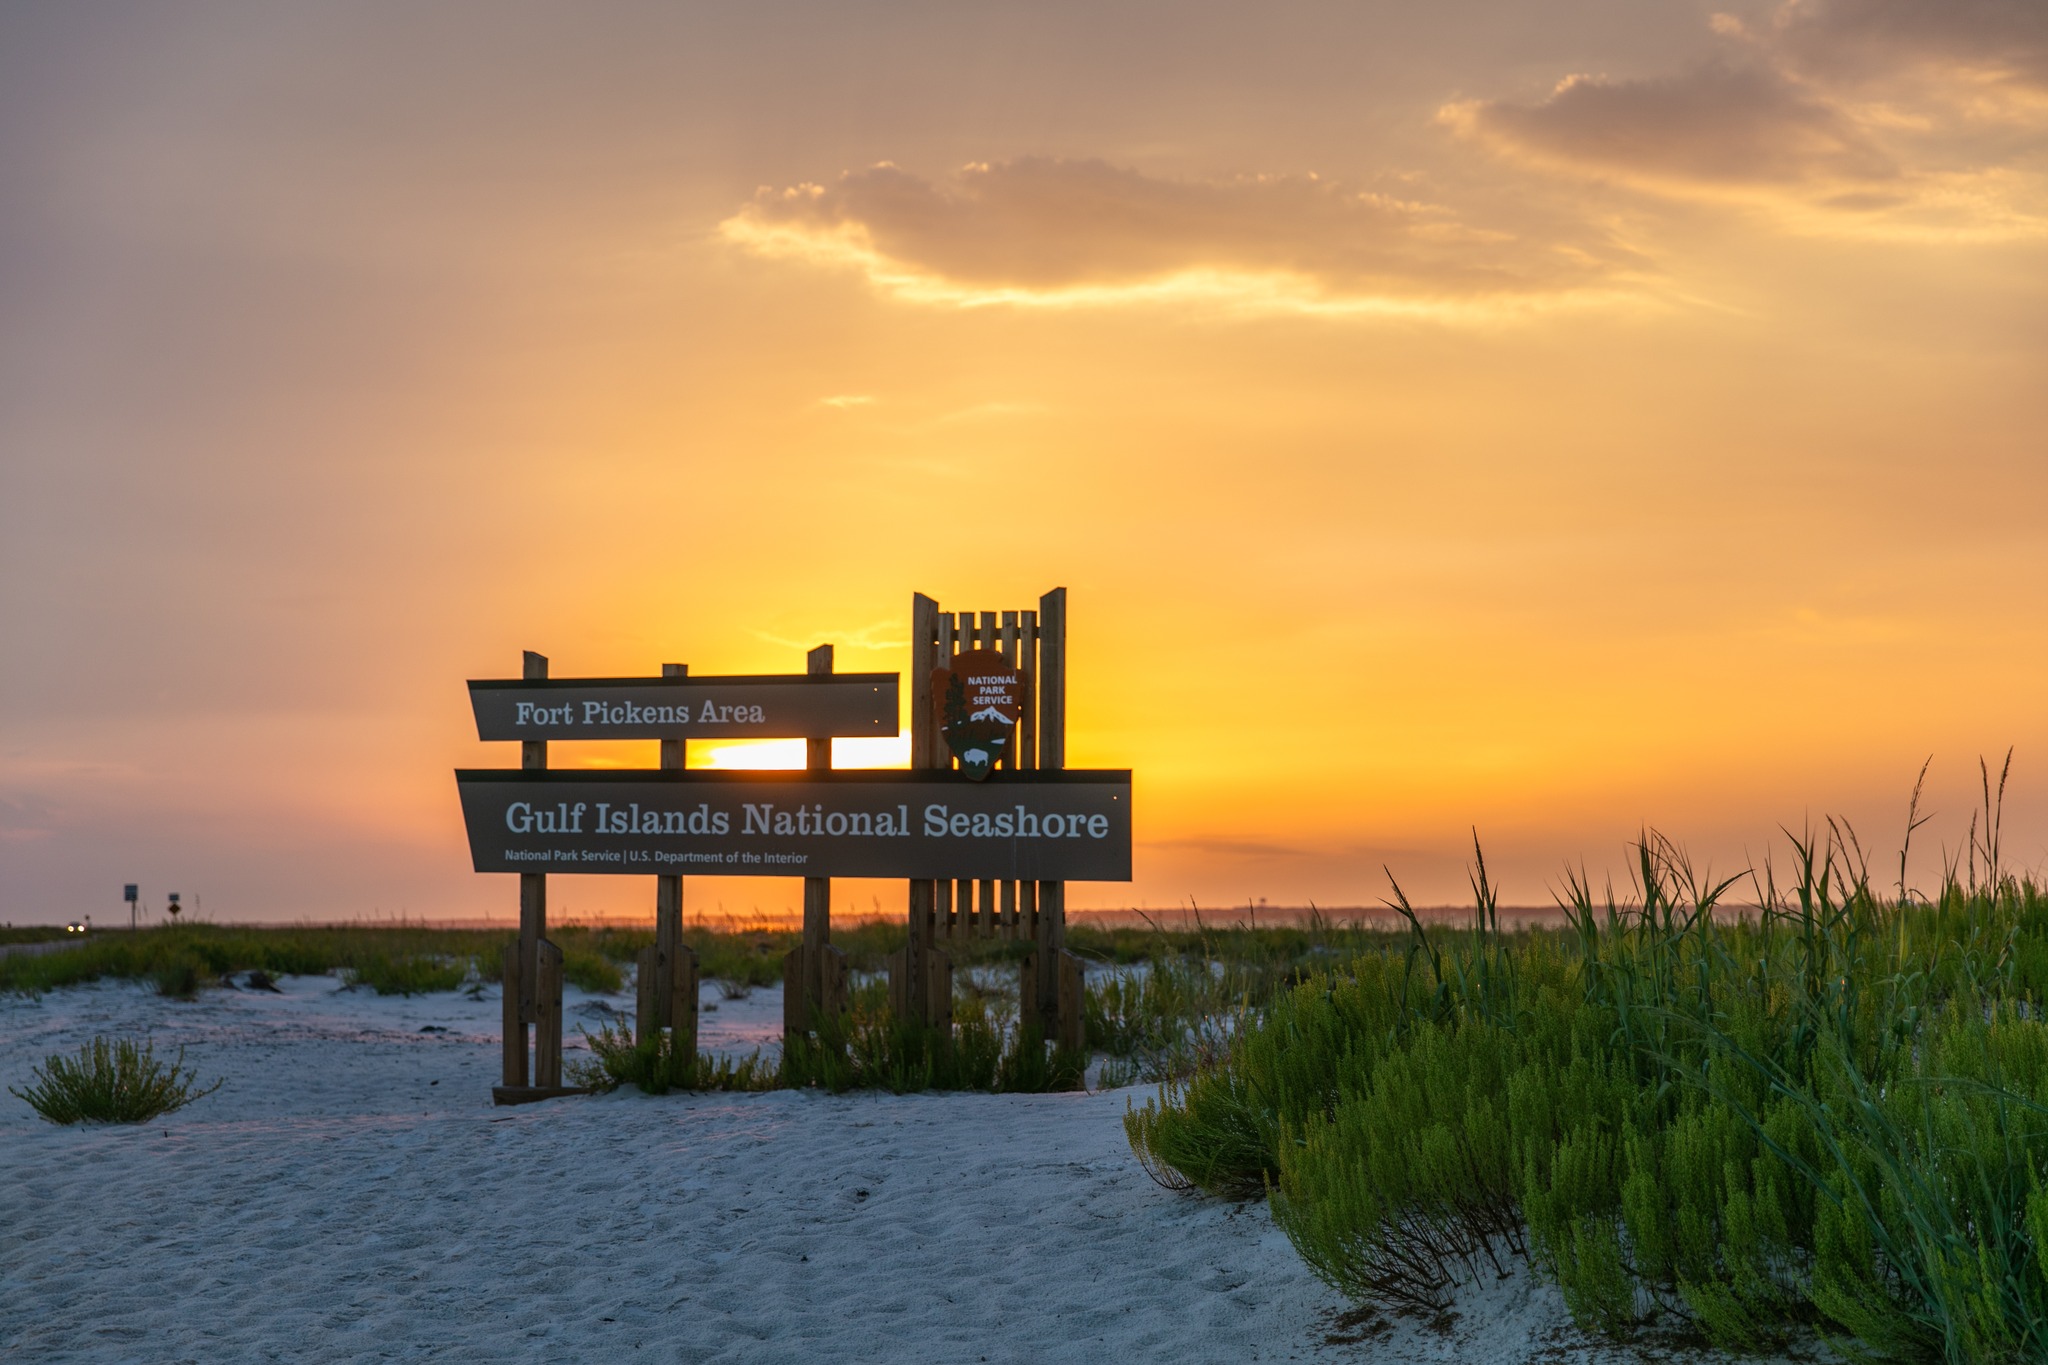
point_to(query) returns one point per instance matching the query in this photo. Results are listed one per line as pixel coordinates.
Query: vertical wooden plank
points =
(1073, 1030)
(1009, 641)
(668, 895)
(1050, 938)
(909, 974)
(796, 1009)
(515, 1027)
(1052, 689)
(942, 907)
(986, 637)
(647, 995)
(533, 886)
(1027, 669)
(810, 975)
(986, 899)
(682, 1009)
(674, 752)
(1009, 910)
(832, 984)
(924, 637)
(818, 890)
(547, 1025)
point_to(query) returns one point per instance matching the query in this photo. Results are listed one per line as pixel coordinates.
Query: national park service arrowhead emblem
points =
(978, 701)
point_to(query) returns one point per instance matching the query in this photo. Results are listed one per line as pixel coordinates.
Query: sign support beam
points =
(814, 973)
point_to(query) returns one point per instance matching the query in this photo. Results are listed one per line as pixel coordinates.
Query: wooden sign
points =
(1043, 825)
(793, 706)
(978, 701)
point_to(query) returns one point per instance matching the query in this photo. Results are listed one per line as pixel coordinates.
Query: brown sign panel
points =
(773, 706)
(1065, 825)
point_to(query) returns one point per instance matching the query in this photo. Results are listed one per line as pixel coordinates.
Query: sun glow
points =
(857, 751)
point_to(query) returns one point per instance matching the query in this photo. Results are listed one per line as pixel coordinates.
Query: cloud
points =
(1049, 232)
(1714, 125)
(1878, 118)
(2001, 42)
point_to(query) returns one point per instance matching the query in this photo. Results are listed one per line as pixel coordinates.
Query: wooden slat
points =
(987, 637)
(924, 637)
(796, 1009)
(682, 1010)
(515, 1027)
(1009, 645)
(909, 973)
(1009, 909)
(659, 991)
(1052, 683)
(674, 752)
(1027, 669)
(1049, 932)
(647, 995)
(833, 973)
(986, 898)
(533, 886)
(547, 1025)
(1073, 1031)
(807, 986)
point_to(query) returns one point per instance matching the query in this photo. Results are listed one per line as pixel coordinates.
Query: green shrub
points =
(177, 975)
(111, 1081)
(1832, 1116)
(590, 970)
(413, 974)
(868, 1048)
(617, 1059)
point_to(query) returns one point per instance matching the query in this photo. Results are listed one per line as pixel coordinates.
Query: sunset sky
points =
(1558, 417)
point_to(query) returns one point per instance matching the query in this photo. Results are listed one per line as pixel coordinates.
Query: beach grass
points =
(1829, 1115)
(112, 1080)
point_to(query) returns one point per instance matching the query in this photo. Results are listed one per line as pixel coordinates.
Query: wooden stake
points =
(515, 1027)
(547, 1031)
(909, 986)
(660, 990)
(1051, 928)
(533, 892)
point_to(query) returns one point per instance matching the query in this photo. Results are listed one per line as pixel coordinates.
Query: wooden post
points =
(1073, 1019)
(547, 1023)
(646, 998)
(515, 1024)
(682, 1007)
(921, 963)
(1050, 934)
(533, 897)
(664, 1000)
(814, 972)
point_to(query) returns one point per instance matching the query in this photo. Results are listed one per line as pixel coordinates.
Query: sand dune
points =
(350, 1193)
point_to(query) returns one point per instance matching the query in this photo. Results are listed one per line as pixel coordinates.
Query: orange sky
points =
(1557, 418)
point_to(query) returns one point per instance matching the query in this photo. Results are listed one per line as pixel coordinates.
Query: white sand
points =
(350, 1193)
